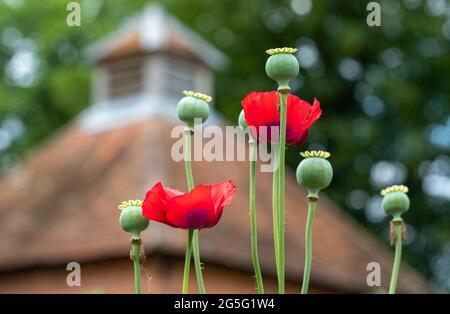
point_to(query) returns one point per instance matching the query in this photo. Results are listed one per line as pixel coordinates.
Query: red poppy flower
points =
(198, 209)
(261, 113)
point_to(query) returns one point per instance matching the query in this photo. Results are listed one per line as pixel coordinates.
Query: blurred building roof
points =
(61, 205)
(154, 30)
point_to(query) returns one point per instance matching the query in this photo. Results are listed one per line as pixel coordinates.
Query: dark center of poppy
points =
(269, 132)
(197, 218)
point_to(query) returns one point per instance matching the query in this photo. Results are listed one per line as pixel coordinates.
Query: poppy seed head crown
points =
(198, 95)
(276, 51)
(129, 203)
(315, 153)
(394, 188)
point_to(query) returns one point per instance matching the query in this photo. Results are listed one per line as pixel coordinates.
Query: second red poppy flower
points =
(261, 110)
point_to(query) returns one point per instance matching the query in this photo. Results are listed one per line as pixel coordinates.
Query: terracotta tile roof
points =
(60, 206)
(130, 45)
(153, 30)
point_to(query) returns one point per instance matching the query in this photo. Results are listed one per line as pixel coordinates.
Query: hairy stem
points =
(253, 227)
(282, 149)
(187, 157)
(190, 181)
(312, 203)
(198, 265)
(397, 258)
(275, 203)
(136, 251)
(187, 262)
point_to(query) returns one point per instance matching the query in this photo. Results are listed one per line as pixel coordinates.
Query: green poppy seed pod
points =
(131, 218)
(395, 201)
(193, 106)
(242, 122)
(314, 172)
(282, 66)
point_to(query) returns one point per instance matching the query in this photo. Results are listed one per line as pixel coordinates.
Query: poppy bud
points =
(314, 172)
(193, 106)
(395, 201)
(131, 218)
(244, 126)
(242, 122)
(282, 66)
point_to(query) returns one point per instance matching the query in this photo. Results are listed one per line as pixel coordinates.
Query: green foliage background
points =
(405, 63)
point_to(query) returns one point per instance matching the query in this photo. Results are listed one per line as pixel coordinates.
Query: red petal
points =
(297, 112)
(201, 208)
(192, 210)
(154, 206)
(221, 195)
(260, 110)
(301, 116)
(314, 113)
(301, 138)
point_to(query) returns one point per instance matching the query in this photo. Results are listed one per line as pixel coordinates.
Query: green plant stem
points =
(136, 250)
(190, 181)
(198, 265)
(282, 149)
(253, 227)
(397, 258)
(187, 262)
(187, 157)
(312, 203)
(275, 203)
